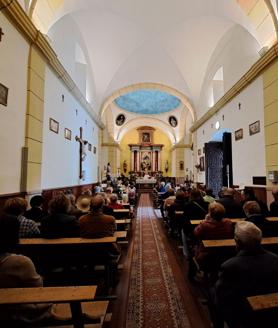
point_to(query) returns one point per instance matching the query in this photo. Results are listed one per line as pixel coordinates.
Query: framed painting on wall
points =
(53, 125)
(3, 95)
(67, 133)
(254, 128)
(238, 134)
(146, 137)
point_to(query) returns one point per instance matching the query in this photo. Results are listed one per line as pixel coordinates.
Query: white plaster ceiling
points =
(160, 41)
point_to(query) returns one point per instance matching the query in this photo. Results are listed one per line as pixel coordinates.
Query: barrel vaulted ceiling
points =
(153, 41)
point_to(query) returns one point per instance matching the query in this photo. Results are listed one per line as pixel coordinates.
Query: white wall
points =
(14, 52)
(236, 53)
(61, 156)
(249, 152)
(69, 45)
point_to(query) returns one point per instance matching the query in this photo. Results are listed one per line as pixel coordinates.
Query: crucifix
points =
(82, 151)
(1, 34)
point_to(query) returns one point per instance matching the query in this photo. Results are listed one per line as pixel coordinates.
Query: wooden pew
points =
(75, 296)
(121, 213)
(234, 220)
(123, 224)
(48, 254)
(68, 241)
(263, 302)
(272, 219)
(231, 242)
(264, 310)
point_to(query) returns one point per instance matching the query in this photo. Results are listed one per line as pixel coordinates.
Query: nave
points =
(159, 293)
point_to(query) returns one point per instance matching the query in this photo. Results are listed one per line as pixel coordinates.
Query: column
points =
(156, 161)
(135, 161)
(34, 121)
(131, 160)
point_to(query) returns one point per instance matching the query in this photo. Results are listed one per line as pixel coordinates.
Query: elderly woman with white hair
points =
(253, 271)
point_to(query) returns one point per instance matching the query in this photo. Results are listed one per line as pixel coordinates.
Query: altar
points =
(145, 185)
(145, 155)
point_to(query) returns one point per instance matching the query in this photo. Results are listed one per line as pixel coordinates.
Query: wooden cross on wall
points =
(82, 151)
(1, 34)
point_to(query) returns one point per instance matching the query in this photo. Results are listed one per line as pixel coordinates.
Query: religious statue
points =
(82, 151)
(166, 166)
(125, 166)
(83, 143)
(108, 171)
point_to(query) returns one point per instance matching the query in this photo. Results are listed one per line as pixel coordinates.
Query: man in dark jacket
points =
(253, 214)
(253, 271)
(233, 208)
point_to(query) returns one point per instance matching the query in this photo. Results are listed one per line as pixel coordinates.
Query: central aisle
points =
(155, 299)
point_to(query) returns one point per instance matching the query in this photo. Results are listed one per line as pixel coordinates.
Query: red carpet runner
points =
(154, 298)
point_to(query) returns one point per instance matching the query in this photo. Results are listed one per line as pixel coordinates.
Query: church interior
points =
(139, 163)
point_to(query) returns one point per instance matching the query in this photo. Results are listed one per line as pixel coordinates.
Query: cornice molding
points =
(255, 71)
(23, 23)
(181, 145)
(111, 144)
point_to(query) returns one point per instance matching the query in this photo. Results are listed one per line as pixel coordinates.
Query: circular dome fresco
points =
(147, 102)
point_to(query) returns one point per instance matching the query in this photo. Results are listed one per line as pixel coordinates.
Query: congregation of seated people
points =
(65, 217)
(231, 274)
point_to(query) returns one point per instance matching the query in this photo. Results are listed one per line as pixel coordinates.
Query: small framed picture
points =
(67, 133)
(254, 128)
(53, 125)
(89, 147)
(173, 121)
(199, 152)
(3, 95)
(120, 119)
(146, 137)
(95, 150)
(238, 134)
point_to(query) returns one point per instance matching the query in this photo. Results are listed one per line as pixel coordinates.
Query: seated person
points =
(17, 206)
(213, 227)
(73, 210)
(98, 188)
(249, 194)
(59, 223)
(209, 197)
(18, 271)
(98, 225)
(178, 205)
(196, 208)
(131, 194)
(95, 224)
(36, 212)
(233, 207)
(253, 271)
(170, 199)
(83, 204)
(253, 214)
(114, 203)
(274, 204)
(106, 209)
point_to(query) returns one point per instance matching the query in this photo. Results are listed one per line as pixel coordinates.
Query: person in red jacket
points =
(213, 227)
